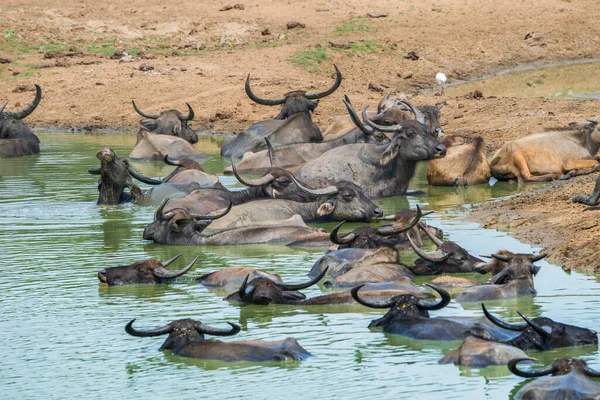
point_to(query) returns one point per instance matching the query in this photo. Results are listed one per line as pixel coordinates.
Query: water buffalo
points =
(449, 258)
(16, 139)
(292, 125)
(189, 171)
(148, 271)
(353, 266)
(569, 380)
(549, 155)
(382, 170)
(478, 353)
(408, 315)
(590, 200)
(543, 333)
(180, 227)
(170, 122)
(516, 280)
(115, 176)
(465, 163)
(186, 339)
(234, 276)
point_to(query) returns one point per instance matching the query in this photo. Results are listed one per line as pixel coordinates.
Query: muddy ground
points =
(93, 58)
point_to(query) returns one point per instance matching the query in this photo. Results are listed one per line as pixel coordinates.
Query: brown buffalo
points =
(189, 171)
(234, 276)
(465, 163)
(478, 353)
(16, 139)
(150, 271)
(549, 155)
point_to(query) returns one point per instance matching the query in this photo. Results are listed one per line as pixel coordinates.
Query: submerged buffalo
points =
(408, 315)
(234, 276)
(465, 163)
(569, 380)
(189, 171)
(592, 199)
(115, 176)
(479, 353)
(516, 280)
(16, 139)
(292, 125)
(150, 271)
(186, 339)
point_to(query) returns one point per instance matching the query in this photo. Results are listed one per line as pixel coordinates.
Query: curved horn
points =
(143, 178)
(431, 236)
(171, 162)
(380, 105)
(502, 324)
(502, 257)
(151, 332)
(263, 180)
(429, 257)
(264, 102)
(427, 305)
(3, 105)
(304, 285)
(169, 262)
(242, 289)
(142, 113)
(354, 117)
(161, 272)
(95, 171)
(354, 293)
(30, 108)
(392, 128)
(536, 328)
(393, 216)
(159, 211)
(393, 230)
(512, 366)
(418, 114)
(213, 215)
(333, 88)
(190, 115)
(270, 152)
(590, 372)
(209, 330)
(345, 240)
(538, 257)
(329, 190)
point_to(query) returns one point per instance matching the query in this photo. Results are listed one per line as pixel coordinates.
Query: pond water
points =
(63, 333)
(570, 80)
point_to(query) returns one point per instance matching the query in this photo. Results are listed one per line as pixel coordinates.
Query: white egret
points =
(440, 77)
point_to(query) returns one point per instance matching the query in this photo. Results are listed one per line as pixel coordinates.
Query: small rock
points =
(24, 88)
(281, 36)
(193, 45)
(406, 75)
(265, 32)
(4, 60)
(99, 84)
(474, 95)
(295, 24)
(376, 15)
(15, 73)
(340, 44)
(412, 56)
(238, 6)
(532, 39)
(220, 116)
(146, 67)
(531, 84)
(53, 54)
(458, 116)
(377, 87)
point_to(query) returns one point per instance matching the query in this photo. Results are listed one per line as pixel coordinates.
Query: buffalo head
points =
(148, 271)
(170, 122)
(297, 101)
(11, 127)
(264, 291)
(544, 333)
(404, 307)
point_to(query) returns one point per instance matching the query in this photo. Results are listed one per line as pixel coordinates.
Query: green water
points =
(63, 337)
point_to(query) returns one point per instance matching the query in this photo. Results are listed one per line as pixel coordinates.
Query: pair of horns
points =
(372, 125)
(386, 230)
(551, 369)
(508, 258)
(27, 110)
(163, 273)
(135, 174)
(308, 95)
(162, 216)
(517, 327)
(188, 117)
(422, 304)
(199, 326)
(438, 257)
(247, 296)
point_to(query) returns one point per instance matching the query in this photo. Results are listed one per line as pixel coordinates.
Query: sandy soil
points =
(190, 51)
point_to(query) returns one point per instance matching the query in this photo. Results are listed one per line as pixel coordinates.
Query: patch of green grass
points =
(310, 59)
(355, 24)
(366, 46)
(437, 10)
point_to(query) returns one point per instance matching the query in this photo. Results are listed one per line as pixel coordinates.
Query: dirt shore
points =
(93, 58)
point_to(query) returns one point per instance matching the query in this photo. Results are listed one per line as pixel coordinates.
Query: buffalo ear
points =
(177, 224)
(325, 209)
(177, 129)
(149, 124)
(390, 153)
(534, 269)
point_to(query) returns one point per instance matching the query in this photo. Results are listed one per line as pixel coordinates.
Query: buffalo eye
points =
(348, 196)
(281, 183)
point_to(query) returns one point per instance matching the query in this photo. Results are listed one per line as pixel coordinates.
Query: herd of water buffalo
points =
(306, 175)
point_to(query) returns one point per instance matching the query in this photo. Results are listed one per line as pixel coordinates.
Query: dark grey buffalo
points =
(16, 139)
(544, 334)
(516, 280)
(170, 122)
(381, 170)
(150, 271)
(187, 339)
(292, 125)
(592, 199)
(116, 175)
(408, 315)
(569, 380)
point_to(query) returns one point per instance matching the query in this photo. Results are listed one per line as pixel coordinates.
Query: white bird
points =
(440, 77)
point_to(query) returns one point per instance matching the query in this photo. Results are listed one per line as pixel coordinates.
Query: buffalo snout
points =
(378, 212)
(440, 149)
(102, 275)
